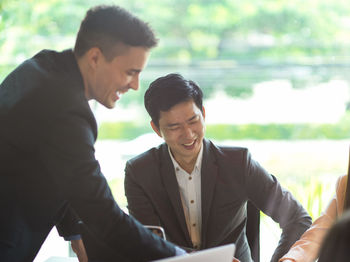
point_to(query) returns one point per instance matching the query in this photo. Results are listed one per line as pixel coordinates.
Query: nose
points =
(135, 82)
(188, 132)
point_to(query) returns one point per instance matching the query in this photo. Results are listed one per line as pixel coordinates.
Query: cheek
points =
(122, 81)
(116, 78)
(170, 139)
(202, 128)
(123, 77)
(199, 129)
(129, 79)
(104, 79)
(113, 77)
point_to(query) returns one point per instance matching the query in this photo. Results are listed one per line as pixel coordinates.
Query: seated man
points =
(198, 191)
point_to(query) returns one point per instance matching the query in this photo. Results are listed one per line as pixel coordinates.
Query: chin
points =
(110, 105)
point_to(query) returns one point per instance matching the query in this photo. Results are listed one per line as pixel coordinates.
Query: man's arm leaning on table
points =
(69, 228)
(267, 194)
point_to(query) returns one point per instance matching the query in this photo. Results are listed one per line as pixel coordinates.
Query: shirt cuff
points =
(73, 237)
(179, 251)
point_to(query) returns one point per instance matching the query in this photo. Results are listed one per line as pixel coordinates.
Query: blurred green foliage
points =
(117, 187)
(313, 193)
(229, 45)
(340, 130)
(122, 130)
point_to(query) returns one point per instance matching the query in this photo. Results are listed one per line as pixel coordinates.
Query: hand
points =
(235, 260)
(79, 249)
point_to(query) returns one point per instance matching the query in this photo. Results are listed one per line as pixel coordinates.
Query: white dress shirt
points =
(190, 192)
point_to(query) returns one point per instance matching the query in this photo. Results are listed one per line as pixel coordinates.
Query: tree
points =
(227, 44)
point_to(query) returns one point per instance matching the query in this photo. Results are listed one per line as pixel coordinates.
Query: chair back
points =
(253, 230)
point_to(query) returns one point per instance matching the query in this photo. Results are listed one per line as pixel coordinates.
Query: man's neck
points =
(187, 164)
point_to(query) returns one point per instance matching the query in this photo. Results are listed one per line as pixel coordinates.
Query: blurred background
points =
(275, 76)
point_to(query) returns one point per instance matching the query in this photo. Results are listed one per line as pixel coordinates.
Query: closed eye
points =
(133, 72)
(173, 128)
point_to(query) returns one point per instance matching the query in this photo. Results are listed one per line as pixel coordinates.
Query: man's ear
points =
(203, 112)
(93, 56)
(155, 128)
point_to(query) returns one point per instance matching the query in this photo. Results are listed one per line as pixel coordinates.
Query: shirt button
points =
(192, 201)
(194, 224)
(177, 169)
(190, 178)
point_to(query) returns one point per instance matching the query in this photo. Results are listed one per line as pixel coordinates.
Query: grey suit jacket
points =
(229, 178)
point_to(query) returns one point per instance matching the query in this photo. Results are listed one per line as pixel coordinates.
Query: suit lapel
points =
(209, 173)
(171, 186)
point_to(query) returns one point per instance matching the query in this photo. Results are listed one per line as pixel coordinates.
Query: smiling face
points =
(107, 80)
(182, 127)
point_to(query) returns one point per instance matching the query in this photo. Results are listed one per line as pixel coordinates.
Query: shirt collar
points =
(198, 164)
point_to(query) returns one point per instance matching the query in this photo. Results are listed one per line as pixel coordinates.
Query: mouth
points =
(190, 145)
(119, 94)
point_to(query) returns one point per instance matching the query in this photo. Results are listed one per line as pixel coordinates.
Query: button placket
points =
(192, 208)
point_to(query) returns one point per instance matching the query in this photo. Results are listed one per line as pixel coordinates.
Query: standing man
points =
(47, 138)
(198, 191)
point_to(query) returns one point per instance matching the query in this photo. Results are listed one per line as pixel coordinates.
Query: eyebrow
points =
(172, 125)
(192, 118)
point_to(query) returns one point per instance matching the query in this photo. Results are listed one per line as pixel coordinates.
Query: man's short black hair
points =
(106, 26)
(168, 91)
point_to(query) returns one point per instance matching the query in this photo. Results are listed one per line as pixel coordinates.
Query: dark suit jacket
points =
(229, 178)
(47, 162)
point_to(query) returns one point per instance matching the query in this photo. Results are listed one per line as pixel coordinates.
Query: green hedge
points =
(122, 130)
(278, 131)
(128, 130)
